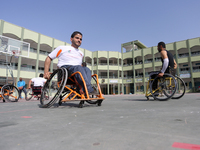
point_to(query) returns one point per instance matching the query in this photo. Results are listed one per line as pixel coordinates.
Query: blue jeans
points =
(86, 73)
(20, 92)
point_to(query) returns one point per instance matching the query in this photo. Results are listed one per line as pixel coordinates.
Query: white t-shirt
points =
(67, 55)
(39, 81)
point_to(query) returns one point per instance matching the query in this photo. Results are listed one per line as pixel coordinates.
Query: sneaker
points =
(94, 93)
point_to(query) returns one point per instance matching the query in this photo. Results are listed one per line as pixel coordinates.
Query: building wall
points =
(125, 72)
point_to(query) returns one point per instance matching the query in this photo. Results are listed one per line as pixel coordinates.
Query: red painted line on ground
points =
(17, 110)
(186, 146)
(26, 116)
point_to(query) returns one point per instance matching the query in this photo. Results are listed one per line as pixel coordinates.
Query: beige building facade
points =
(119, 72)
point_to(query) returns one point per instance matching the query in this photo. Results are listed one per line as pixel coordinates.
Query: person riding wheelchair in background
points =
(168, 64)
(38, 83)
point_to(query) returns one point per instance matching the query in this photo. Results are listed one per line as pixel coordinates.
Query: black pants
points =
(154, 74)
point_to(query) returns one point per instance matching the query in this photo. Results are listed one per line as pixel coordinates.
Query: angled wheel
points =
(29, 94)
(180, 89)
(166, 87)
(54, 85)
(10, 93)
(95, 87)
(46, 94)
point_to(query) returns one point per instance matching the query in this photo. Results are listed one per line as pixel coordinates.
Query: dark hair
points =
(84, 64)
(41, 75)
(162, 44)
(75, 33)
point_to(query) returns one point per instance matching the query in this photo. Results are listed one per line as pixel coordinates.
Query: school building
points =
(119, 72)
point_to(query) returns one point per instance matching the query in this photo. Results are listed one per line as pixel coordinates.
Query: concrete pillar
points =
(122, 74)
(108, 72)
(190, 64)
(20, 58)
(37, 59)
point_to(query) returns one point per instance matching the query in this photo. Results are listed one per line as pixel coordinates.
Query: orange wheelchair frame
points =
(9, 93)
(64, 91)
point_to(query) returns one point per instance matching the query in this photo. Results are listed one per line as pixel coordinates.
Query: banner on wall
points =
(113, 81)
(185, 75)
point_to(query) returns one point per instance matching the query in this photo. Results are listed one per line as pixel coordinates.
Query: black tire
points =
(10, 93)
(180, 89)
(99, 102)
(166, 87)
(29, 94)
(61, 75)
(80, 105)
(95, 87)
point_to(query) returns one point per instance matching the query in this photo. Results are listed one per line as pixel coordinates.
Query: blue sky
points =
(106, 24)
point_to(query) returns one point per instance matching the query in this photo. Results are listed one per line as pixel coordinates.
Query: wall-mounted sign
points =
(113, 81)
(185, 75)
(128, 80)
(139, 79)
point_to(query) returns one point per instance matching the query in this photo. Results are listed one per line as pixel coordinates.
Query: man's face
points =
(76, 40)
(20, 79)
(159, 48)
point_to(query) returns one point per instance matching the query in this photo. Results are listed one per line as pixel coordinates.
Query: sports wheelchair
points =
(65, 85)
(36, 93)
(9, 93)
(168, 86)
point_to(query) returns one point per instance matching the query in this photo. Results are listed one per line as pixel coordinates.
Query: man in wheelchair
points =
(38, 83)
(70, 57)
(168, 64)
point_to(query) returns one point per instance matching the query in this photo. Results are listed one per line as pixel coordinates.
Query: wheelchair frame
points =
(7, 87)
(169, 78)
(64, 91)
(31, 93)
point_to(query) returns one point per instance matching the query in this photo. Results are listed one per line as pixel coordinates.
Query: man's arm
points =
(29, 84)
(46, 67)
(165, 63)
(24, 83)
(175, 64)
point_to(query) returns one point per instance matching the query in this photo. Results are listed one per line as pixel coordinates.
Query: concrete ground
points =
(124, 122)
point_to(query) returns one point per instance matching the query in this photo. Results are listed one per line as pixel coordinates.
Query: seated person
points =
(168, 64)
(38, 84)
(21, 86)
(71, 58)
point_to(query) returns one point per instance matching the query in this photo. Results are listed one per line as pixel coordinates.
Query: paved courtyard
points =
(124, 122)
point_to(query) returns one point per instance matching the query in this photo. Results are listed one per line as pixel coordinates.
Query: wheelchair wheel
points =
(166, 87)
(59, 78)
(29, 94)
(10, 93)
(180, 89)
(95, 87)
(46, 94)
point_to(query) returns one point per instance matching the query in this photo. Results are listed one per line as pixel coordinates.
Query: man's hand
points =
(20, 88)
(46, 67)
(160, 74)
(47, 75)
